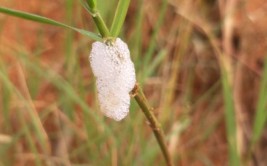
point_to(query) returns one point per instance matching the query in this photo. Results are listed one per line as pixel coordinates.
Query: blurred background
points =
(200, 63)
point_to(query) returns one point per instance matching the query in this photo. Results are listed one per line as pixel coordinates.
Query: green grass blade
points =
(135, 42)
(70, 60)
(230, 119)
(119, 17)
(261, 111)
(7, 83)
(63, 86)
(44, 20)
(155, 63)
(153, 44)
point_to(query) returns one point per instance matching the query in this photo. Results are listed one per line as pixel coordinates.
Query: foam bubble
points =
(115, 77)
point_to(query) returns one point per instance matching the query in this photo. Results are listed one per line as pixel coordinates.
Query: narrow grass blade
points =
(135, 42)
(158, 25)
(70, 59)
(230, 119)
(261, 111)
(119, 17)
(63, 86)
(155, 63)
(7, 83)
(5, 97)
(44, 20)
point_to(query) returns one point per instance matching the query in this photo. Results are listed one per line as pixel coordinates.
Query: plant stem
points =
(92, 4)
(137, 91)
(101, 26)
(99, 22)
(153, 122)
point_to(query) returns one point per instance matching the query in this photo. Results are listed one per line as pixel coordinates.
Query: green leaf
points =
(44, 20)
(230, 118)
(119, 17)
(261, 111)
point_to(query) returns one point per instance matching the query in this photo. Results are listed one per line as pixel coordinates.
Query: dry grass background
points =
(184, 87)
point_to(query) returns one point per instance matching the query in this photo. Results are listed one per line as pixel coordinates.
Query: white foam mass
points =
(115, 77)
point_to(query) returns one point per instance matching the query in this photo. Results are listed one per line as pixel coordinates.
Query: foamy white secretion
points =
(115, 77)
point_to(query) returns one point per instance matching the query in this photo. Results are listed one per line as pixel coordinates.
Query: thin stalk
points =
(99, 22)
(92, 4)
(137, 91)
(153, 122)
(101, 26)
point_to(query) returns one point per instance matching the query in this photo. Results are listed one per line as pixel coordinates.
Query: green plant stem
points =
(92, 4)
(99, 22)
(137, 91)
(153, 122)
